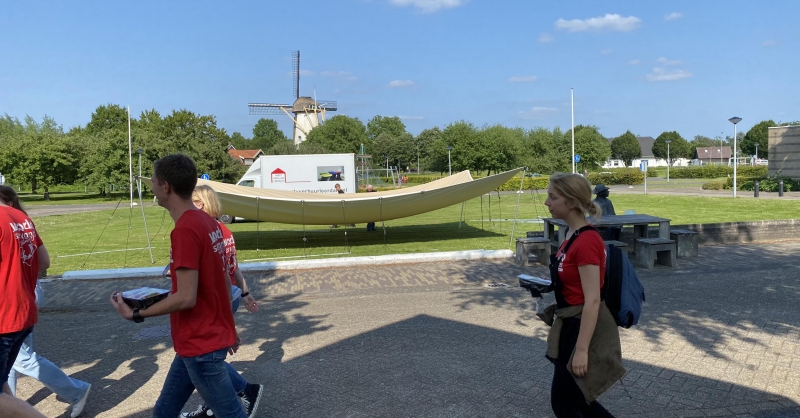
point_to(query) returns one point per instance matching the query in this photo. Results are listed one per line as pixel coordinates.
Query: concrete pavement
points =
(719, 337)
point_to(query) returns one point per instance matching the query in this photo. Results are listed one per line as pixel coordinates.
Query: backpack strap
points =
(575, 236)
(554, 261)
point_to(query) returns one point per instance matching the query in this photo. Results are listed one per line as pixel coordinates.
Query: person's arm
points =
(249, 302)
(44, 258)
(184, 297)
(590, 283)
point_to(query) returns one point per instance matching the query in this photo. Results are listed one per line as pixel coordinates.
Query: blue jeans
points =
(31, 364)
(9, 347)
(209, 375)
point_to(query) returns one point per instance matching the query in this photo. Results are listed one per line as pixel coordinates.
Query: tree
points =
(546, 151)
(701, 141)
(266, 134)
(678, 147)
(340, 134)
(240, 142)
(499, 148)
(626, 148)
(391, 125)
(108, 117)
(593, 148)
(462, 136)
(758, 134)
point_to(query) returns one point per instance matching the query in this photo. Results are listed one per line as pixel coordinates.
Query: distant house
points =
(713, 155)
(244, 156)
(646, 144)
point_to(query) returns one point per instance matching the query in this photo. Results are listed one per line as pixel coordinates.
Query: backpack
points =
(622, 290)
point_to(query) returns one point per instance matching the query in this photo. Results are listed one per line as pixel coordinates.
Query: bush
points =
(629, 176)
(716, 185)
(770, 185)
(716, 171)
(531, 183)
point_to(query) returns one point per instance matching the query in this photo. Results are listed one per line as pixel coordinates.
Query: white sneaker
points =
(77, 408)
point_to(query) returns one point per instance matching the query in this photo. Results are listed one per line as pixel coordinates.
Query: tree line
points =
(42, 154)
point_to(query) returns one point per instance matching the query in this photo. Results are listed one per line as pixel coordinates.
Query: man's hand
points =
(122, 308)
(250, 304)
(235, 347)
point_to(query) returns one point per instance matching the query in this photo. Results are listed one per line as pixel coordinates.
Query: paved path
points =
(47, 210)
(719, 338)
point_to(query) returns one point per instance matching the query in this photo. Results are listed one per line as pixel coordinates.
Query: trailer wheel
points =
(227, 219)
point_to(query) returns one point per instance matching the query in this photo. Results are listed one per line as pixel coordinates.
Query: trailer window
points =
(247, 183)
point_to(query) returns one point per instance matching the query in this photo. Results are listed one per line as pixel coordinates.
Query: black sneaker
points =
(201, 411)
(250, 397)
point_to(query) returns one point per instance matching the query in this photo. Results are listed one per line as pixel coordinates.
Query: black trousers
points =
(566, 397)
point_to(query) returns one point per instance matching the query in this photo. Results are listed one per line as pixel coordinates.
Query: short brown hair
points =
(179, 172)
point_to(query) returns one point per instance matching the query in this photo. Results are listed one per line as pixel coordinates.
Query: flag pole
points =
(130, 157)
(572, 100)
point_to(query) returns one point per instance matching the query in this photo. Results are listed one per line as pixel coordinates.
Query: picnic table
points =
(640, 222)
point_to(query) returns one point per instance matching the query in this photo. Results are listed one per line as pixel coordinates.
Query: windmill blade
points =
(268, 108)
(296, 73)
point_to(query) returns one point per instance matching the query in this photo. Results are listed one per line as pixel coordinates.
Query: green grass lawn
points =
(74, 198)
(70, 237)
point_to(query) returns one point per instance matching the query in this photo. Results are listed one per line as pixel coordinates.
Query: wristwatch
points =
(137, 317)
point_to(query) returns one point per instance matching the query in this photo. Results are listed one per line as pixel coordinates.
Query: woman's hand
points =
(580, 362)
(250, 304)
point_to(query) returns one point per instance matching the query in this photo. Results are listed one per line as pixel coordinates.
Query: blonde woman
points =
(583, 324)
(205, 199)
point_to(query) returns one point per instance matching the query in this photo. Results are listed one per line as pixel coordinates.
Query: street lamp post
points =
(668, 163)
(449, 166)
(734, 120)
(756, 161)
(140, 151)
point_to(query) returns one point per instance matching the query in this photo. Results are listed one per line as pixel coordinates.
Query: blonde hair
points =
(210, 200)
(575, 188)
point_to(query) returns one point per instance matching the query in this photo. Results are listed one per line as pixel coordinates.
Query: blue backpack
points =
(622, 291)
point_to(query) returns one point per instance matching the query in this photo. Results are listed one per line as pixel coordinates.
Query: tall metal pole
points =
(735, 160)
(130, 155)
(449, 167)
(572, 99)
(668, 161)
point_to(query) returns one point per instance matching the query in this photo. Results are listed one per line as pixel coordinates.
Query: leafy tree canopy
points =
(758, 134)
(391, 125)
(340, 134)
(626, 148)
(678, 147)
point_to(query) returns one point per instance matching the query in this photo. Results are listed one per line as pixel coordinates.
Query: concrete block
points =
(539, 247)
(686, 242)
(652, 250)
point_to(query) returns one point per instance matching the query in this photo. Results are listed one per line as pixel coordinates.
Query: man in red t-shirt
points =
(22, 255)
(199, 304)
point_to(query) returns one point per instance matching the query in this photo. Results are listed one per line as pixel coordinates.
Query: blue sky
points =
(645, 66)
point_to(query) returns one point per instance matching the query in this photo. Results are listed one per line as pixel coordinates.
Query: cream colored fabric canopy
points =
(325, 209)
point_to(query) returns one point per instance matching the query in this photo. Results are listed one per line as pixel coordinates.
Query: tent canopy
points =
(325, 209)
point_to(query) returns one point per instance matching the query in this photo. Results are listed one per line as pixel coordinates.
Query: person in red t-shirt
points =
(199, 305)
(205, 199)
(22, 256)
(579, 273)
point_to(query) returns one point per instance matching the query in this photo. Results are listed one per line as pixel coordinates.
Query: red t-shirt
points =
(587, 249)
(197, 244)
(231, 263)
(19, 268)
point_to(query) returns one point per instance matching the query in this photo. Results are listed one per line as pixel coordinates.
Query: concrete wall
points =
(734, 232)
(784, 151)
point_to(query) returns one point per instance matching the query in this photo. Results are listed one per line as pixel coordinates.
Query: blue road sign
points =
(205, 177)
(577, 158)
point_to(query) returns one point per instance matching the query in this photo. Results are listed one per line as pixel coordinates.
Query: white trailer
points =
(304, 173)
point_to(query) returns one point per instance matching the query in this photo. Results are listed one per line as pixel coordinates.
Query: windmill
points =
(306, 112)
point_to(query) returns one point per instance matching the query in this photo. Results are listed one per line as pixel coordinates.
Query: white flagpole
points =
(130, 156)
(572, 99)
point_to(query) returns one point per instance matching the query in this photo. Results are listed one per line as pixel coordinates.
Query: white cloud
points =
(537, 112)
(336, 73)
(607, 52)
(660, 74)
(411, 117)
(769, 42)
(428, 6)
(673, 16)
(665, 61)
(401, 83)
(634, 62)
(545, 38)
(523, 79)
(613, 22)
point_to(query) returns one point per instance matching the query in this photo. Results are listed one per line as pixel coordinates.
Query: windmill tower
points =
(306, 112)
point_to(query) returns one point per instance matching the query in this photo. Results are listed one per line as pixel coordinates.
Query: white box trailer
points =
(303, 173)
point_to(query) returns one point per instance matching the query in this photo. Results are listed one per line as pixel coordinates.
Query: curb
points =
(144, 272)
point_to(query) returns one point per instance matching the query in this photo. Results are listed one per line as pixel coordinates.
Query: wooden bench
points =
(685, 242)
(650, 250)
(540, 247)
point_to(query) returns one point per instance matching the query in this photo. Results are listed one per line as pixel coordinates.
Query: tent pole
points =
(462, 214)
(519, 193)
(482, 213)
(147, 233)
(344, 222)
(303, 214)
(383, 224)
(258, 221)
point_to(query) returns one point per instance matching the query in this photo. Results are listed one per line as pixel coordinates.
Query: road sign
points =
(643, 165)
(205, 177)
(577, 158)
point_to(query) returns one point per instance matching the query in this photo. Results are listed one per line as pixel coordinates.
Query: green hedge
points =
(770, 185)
(531, 183)
(628, 176)
(715, 171)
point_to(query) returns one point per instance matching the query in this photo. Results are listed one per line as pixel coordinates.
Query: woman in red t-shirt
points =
(578, 274)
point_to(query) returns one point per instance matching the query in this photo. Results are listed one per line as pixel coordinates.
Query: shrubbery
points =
(770, 185)
(629, 176)
(715, 171)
